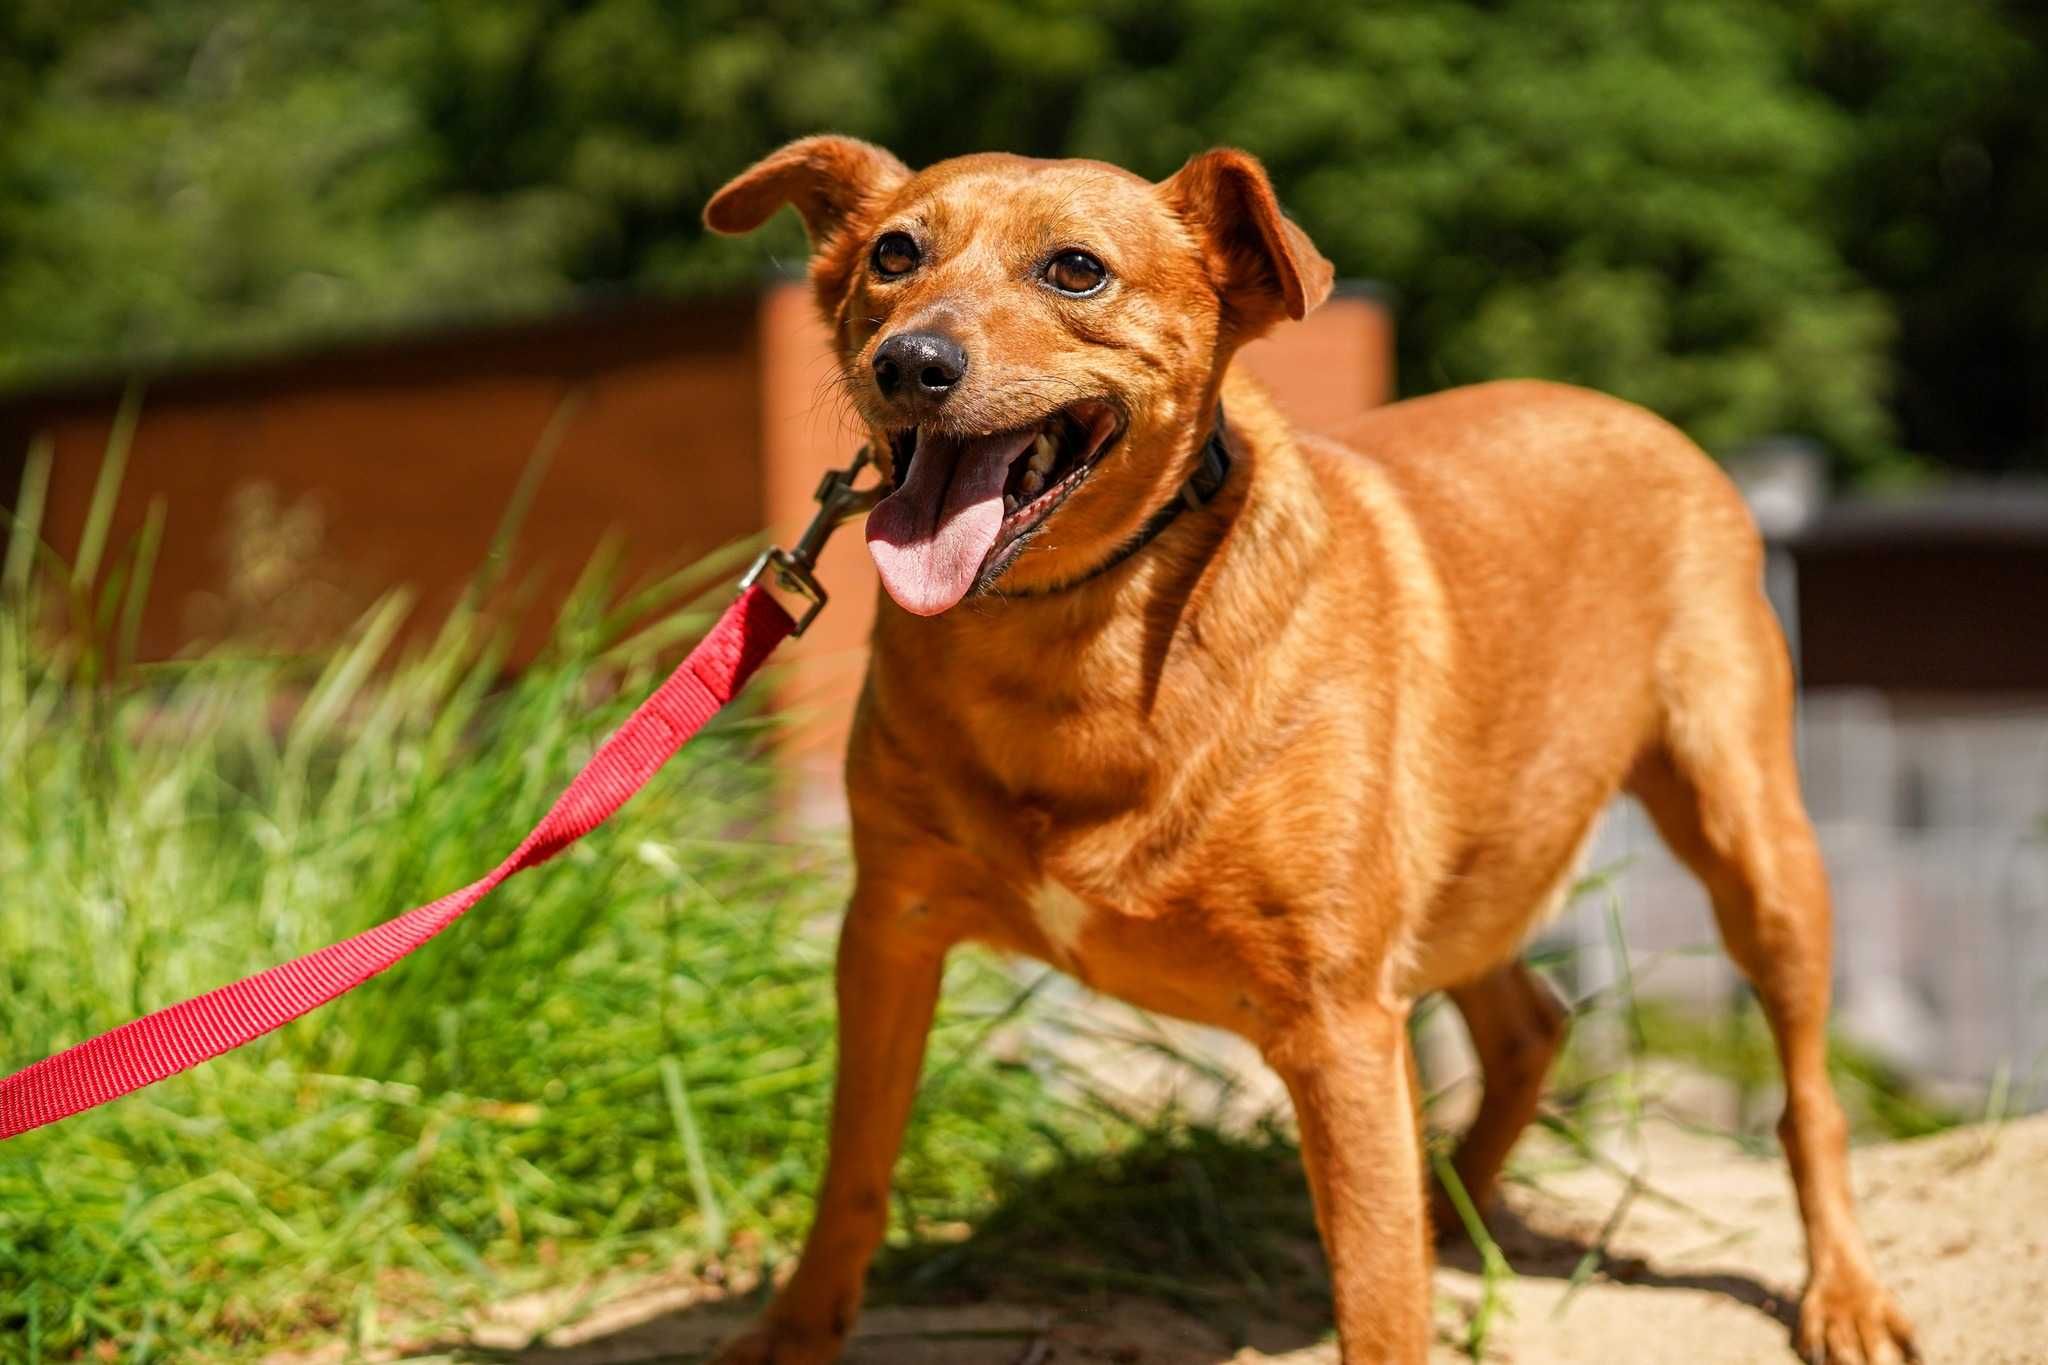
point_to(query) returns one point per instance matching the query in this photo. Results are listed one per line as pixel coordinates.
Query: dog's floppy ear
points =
(834, 182)
(830, 180)
(1265, 267)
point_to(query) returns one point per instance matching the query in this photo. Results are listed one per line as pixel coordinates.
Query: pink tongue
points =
(930, 536)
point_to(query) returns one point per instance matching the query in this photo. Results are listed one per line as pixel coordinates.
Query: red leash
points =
(184, 1035)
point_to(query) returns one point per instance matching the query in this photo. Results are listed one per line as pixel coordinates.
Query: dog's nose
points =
(927, 364)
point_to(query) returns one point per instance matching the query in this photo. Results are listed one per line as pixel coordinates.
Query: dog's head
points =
(1035, 344)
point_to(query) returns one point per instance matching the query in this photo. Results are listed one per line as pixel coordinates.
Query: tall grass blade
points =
(99, 517)
(709, 1209)
(147, 546)
(27, 521)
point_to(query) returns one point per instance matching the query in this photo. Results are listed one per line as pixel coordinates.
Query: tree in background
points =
(1753, 215)
(1944, 205)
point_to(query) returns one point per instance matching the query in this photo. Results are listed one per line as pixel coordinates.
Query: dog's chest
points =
(1062, 919)
(1161, 955)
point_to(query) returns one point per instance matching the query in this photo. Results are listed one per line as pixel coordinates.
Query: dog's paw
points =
(1847, 1318)
(777, 1343)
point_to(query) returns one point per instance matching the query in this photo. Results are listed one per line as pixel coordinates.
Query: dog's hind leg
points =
(1517, 1025)
(1722, 787)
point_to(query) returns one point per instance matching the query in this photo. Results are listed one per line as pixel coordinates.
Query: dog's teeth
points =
(1009, 502)
(1032, 481)
(1042, 454)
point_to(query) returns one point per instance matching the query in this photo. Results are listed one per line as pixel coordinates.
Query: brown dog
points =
(1329, 738)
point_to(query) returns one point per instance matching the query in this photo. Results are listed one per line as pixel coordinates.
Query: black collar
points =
(1212, 468)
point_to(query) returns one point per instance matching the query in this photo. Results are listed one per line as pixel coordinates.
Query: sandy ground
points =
(1701, 1264)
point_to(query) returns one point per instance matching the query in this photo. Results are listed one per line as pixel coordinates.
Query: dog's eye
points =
(895, 254)
(1075, 272)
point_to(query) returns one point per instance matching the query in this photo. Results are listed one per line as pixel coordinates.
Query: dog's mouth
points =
(963, 505)
(1064, 447)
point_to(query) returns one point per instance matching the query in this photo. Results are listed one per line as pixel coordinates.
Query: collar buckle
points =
(796, 569)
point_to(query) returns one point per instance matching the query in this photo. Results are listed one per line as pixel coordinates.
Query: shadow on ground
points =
(1536, 1254)
(1181, 1251)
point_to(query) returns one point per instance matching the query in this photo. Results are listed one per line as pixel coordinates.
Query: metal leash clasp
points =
(796, 569)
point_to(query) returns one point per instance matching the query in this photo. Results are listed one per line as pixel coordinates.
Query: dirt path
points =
(1703, 1266)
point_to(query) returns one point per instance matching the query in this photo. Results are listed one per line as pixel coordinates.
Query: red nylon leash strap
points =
(184, 1035)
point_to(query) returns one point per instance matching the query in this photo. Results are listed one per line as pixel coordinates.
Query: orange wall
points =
(392, 464)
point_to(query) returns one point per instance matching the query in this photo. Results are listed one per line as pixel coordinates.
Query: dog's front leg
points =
(888, 986)
(1346, 1066)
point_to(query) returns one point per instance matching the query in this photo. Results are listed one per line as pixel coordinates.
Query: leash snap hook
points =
(796, 569)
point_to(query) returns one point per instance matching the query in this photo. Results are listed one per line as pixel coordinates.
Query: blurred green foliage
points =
(1754, 215)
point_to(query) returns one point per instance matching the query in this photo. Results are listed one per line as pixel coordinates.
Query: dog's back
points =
(1558, 518)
